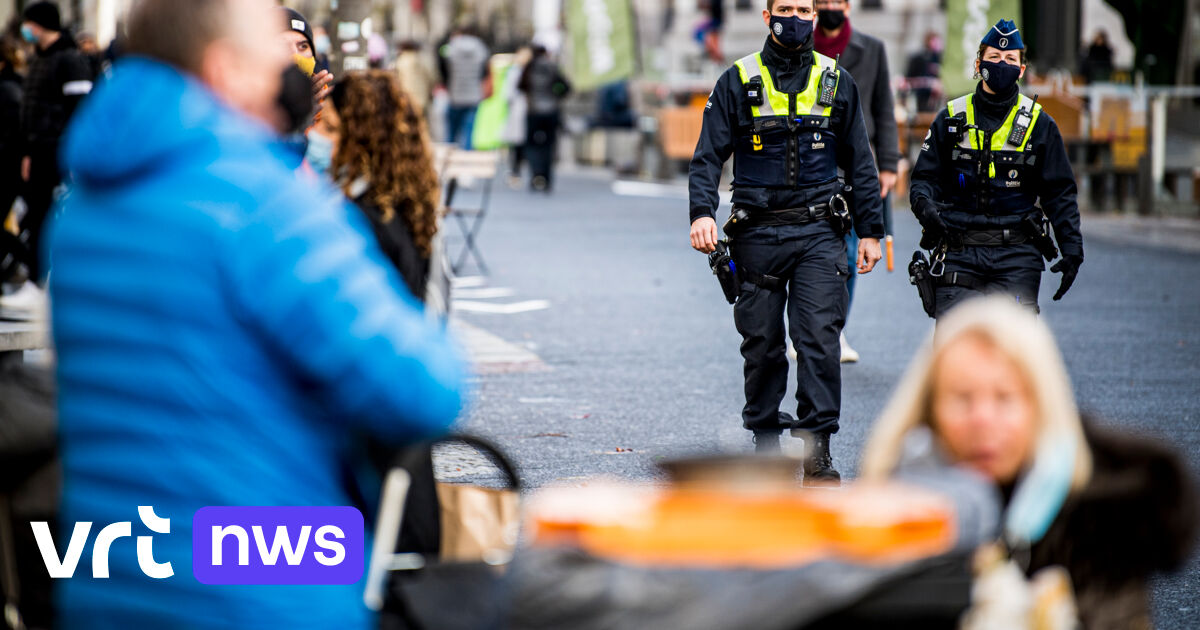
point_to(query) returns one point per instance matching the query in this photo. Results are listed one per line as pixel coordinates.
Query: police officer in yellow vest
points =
(792, 121)
(988, 162)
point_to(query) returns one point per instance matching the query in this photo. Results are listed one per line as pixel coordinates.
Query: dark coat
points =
(1137, 516)
(59, 78)
(865, 58)
(396, 240)
(11, 144)
(727, 117)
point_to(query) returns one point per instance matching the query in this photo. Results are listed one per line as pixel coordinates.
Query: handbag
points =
(440, 548)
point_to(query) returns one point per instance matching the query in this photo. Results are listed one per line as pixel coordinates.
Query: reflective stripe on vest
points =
(972, 139)
(775, 103)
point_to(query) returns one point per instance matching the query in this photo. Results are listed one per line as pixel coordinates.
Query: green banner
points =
(967, 21)
(601, 42)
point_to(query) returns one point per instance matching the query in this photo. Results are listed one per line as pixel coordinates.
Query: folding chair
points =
(469, 165)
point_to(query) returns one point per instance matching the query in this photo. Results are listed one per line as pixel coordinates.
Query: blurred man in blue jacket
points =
(224, 331)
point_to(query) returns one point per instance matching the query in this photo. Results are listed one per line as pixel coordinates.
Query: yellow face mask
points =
(308, 65)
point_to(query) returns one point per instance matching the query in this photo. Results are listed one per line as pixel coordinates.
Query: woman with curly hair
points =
(383, 162)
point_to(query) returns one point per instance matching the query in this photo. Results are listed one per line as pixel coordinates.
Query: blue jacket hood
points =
(148, 112)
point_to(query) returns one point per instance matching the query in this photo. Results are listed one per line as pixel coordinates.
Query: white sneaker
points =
(848, 354)
(28, 300)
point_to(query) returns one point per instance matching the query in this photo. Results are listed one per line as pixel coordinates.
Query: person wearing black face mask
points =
(992, 173)
(792, 121)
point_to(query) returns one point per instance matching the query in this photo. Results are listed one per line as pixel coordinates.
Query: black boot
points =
(767, 442)
(818, 466)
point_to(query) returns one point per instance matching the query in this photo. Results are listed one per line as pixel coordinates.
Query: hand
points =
(869, 253)
(1069, 267)
(929, 213)
(322, 85)
(887, 181)
(704, 235)
(26, 167)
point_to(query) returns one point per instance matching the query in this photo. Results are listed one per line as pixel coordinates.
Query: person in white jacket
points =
(513, 134)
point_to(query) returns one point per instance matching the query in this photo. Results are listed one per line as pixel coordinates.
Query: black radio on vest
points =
(829, 83)
(1021, 125)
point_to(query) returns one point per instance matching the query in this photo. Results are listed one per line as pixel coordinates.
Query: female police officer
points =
(790, 119)
(989, 159)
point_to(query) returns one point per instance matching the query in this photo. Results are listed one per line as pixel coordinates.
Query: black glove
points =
(1069, 266)
(929, 213)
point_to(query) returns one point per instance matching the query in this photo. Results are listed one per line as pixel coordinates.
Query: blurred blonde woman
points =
(993, 392)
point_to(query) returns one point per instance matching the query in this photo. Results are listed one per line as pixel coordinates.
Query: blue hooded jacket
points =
(224, 332)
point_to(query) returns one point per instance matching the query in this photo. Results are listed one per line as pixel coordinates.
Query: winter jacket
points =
(544, 86)
(464, 63)
(59, 77)
(396, 239)
(1136, 516)
(866, 60)
(225, 333)
(415, 77)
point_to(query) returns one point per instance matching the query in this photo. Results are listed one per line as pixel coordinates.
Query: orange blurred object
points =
(770, 527)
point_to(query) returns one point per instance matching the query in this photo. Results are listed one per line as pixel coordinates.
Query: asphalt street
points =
(639, 357)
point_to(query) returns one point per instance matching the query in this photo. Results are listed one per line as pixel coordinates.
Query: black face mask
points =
(295, 98)
(999, 76)
(831, 20)
(792, 32)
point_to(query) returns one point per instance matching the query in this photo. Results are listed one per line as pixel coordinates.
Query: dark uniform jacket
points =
(728, 117)
(866, 60)
(1047, 180)
(59, 78)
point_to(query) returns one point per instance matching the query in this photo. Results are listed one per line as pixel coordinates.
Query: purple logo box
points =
(277, 545)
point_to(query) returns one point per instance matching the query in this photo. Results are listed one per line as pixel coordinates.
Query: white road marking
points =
(485, 293)
(499, 309)
(491, 354)
(625, 188)
(469, 282)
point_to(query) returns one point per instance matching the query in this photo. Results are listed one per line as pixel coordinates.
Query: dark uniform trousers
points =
(1015, 270)
(812, 259)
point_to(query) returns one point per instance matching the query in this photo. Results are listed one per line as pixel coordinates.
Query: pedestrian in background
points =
(11, 145)
(226, 333)
(464, 65)
(992, 392)
(924, 74)
(1096, 63)
(60, 76)
(516, 123)
(544, 87)
(383, 162)
(415, 76)
(91, 49)
(865, 58)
